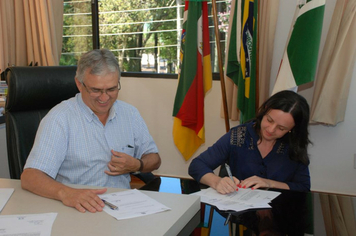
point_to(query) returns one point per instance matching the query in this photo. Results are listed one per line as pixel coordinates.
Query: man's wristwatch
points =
(140, 169)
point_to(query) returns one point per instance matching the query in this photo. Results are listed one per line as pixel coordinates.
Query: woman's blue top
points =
(238, 147)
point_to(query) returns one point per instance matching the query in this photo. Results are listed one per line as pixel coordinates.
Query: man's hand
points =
(122, 163)
(83, 199)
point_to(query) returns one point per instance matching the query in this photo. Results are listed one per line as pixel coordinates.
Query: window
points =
(143, 34)
(77, 31)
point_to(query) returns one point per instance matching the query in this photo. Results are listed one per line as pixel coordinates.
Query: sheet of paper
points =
(27, 225)
(5, 194)
(240, 200)
(132, 203)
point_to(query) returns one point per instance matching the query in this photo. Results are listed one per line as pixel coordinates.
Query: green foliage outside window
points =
(143, 34)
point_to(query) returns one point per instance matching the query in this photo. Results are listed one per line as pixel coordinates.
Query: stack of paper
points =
(5, 194)
(32, 224)
(241, 200)
(132, 203)
(3, 88)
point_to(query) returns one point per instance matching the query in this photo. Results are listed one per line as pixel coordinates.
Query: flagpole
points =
(257, 95)
(221, 70)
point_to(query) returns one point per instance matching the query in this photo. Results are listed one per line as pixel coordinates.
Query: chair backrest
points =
(32, 92)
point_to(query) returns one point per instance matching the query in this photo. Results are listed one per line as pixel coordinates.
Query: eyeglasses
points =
(94, 92)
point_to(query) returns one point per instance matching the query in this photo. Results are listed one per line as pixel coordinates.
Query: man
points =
(90, 139)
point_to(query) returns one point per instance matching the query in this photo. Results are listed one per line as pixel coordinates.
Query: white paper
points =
(132, 203)
(5, 194)
(27, 225)
(240, 200)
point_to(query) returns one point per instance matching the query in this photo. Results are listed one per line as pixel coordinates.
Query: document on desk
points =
(241, 200)
(132, 203)
(27, 225)
(5, 194)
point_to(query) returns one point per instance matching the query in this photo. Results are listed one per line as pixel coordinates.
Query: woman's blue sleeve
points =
(210, 159)
(301, 179)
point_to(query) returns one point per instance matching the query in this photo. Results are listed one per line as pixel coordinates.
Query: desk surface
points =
(185, 209)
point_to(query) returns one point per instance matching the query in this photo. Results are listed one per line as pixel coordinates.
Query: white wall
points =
(154, 98)
(332, 155)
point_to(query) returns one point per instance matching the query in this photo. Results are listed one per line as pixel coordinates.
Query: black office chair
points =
(32, 92)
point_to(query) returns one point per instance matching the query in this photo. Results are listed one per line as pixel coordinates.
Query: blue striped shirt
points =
(74, 147)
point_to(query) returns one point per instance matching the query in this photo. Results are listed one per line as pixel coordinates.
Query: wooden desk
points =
(181, 220)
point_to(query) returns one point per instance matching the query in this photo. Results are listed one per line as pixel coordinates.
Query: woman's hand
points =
(221, 185)
(255, 182)
(226, 185)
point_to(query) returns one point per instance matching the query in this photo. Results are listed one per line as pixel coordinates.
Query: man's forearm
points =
(41, 184)
(151, 162)
(82, 199)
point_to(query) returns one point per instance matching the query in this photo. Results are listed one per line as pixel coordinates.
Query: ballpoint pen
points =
(112, 206)
(230, 175)
(229, 171)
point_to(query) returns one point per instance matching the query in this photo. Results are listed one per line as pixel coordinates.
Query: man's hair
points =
(99, 61)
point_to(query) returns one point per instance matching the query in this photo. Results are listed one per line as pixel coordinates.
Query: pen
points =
(112, 206)
(229, 172)
(230, 175)
(227, 219)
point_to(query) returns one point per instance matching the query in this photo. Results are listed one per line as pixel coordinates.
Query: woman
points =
(268, 152)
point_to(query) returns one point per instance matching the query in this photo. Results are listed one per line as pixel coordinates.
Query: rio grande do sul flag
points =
(300, 58)
(194, 79)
